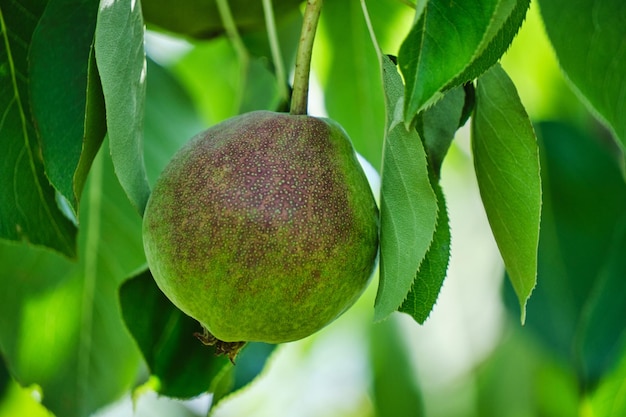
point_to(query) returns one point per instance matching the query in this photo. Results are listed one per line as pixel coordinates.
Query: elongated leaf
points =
(507, 168)
(66, 93)
(408, 204)
(578, 306)
(437, 126)
(429, 278)
(122, 66)
(28, 209)
(589, 38)
(443, 42)
(60, 326)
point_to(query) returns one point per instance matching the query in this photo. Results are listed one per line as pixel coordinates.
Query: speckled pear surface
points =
(263, 227)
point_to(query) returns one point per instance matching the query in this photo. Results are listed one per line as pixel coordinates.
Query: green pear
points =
(263, 227)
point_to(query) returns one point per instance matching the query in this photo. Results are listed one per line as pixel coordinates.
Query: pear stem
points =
(300, 96)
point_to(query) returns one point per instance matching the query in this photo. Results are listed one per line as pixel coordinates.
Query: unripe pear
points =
(263, 227)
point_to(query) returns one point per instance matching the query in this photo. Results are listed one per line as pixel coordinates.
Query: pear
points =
(263, 227)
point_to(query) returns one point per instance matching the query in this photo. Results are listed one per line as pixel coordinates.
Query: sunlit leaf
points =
(60, 326)
(28, 208)
(506, 160)
(408, 211)
(66, 94)
(121, 62)
(589, 38)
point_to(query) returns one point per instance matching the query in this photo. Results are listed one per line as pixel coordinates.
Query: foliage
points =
(88, 121)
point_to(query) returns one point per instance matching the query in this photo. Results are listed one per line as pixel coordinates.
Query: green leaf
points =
(441, 44)
(28, 208)
(60, 324)
(506, 160)
(183, 366)
(452, 43)
(395, 390)
(350, 72)
(429, 278)
(578, 306)
(66, 94)
(408, 212)
(589, 38)
(121, 62)
(504, 25)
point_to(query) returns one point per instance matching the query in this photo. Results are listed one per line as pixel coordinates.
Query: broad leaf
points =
(589, 38)
(578, 306)
(408, 212)
(452, 43)
(181, 364)
(429, 278)
(436, 126)
(60, 326)
(121, 62)
(66, 93)
(506, 160)
(28, 208)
